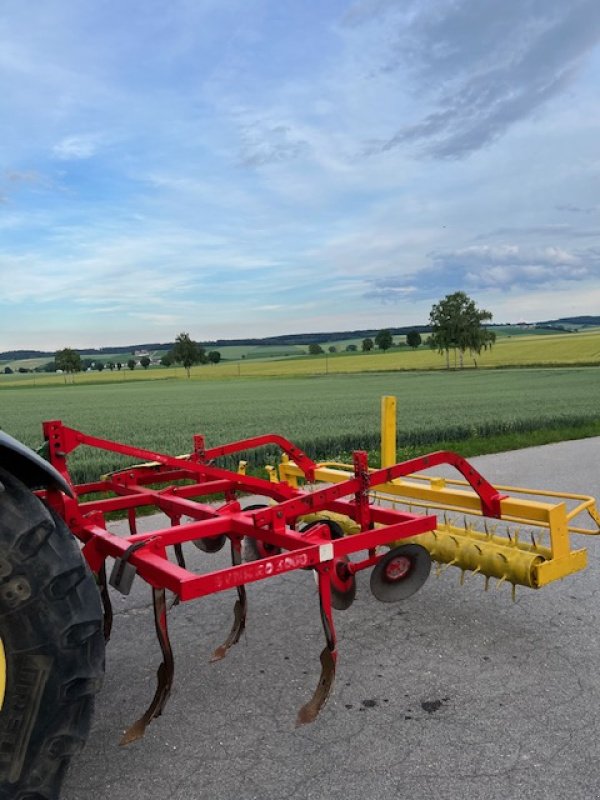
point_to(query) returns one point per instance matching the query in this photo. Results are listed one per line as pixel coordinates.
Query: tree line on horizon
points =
(455, 324)
(560, 325)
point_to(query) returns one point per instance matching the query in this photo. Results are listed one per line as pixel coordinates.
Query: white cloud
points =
(208, 164)
(77, 147)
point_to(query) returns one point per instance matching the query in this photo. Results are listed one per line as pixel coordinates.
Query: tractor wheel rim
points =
(2, 673)
(397, 568)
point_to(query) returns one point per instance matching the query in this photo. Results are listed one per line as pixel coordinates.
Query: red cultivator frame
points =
(192, 487)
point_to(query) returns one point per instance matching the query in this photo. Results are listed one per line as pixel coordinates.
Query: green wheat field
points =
(328, 415)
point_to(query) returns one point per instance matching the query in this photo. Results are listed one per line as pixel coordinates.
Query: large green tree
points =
(457, 324)
(187, 352)
(413, 339)
(68, 360)
(384, 339)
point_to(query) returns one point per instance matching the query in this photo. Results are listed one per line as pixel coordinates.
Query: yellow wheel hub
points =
(2, 673)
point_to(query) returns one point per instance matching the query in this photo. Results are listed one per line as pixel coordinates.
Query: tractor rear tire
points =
(51, 645)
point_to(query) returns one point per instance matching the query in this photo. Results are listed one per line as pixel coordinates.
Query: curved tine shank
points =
(164, 674)
(310, 710)
(239, 610)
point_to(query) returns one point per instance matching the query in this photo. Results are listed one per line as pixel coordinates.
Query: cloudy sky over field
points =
(247, 168)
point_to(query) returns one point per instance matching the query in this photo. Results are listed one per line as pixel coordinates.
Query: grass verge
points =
(499, 443)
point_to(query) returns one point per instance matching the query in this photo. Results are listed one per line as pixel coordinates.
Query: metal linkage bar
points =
(186, 487)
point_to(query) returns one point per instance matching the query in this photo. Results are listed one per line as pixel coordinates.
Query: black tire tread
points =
(51, 627)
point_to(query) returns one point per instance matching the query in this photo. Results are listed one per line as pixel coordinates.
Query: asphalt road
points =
(455, 693)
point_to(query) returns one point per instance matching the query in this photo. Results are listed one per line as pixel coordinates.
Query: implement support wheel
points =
(211, 544)
(400, 573)
(51, 645)
(343, 584)
(253, 549)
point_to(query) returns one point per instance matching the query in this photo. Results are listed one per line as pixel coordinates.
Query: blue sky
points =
(254, 168)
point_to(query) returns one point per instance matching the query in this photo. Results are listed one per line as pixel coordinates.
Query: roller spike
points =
(514, 593)
(517, 534)
(449, 564)
(533, 541)
(487, 583)
(500, 581)
(438, 569)
(485, 527)
(445, 519)
(464, 572)
(508, 534)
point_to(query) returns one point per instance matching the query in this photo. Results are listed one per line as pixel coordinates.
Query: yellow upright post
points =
(388, 431)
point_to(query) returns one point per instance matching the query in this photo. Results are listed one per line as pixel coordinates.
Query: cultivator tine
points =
(106, 603)
(131, 518)
(239, 610)
(164, 674)
(310, 710)
(179, 557)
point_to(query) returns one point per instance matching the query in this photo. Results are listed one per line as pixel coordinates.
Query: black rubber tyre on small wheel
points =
(254, 549)
(343, 583)
(400, 573)
(51, 645)
(211, 544)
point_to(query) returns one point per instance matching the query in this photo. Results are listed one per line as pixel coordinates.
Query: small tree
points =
(315, 349)
(145, 362)
(119, 365)
(413, 339)
(214, 356)
(332, 348)
(384, 340)
(351, 348)
(367, 344)
(99, 365)
(187, 352)
(131, 363)
(8, 371)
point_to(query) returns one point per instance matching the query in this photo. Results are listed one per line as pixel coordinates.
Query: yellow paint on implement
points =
(2, 673)
(388, 431)
(535, 553)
